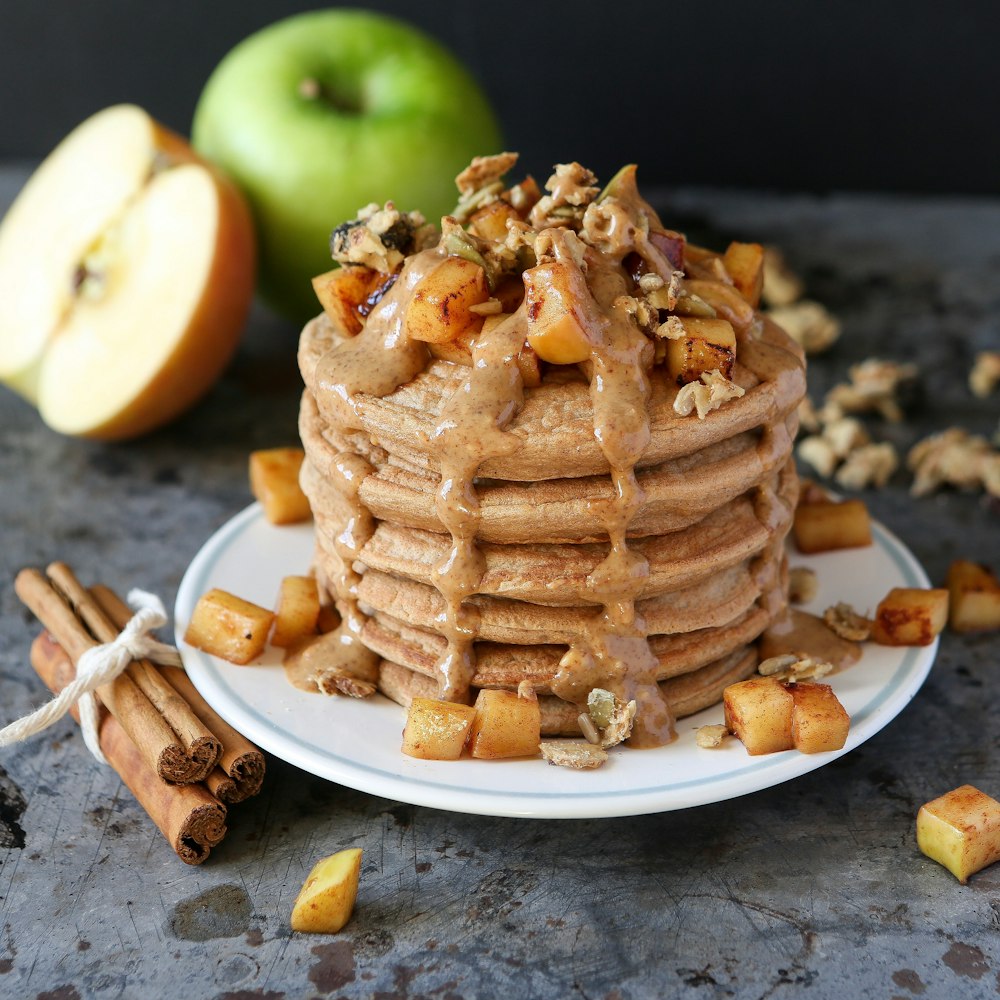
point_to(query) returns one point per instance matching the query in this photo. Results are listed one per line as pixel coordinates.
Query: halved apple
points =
(126, 273)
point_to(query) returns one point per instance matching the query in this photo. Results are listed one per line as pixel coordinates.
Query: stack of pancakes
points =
(719, 494)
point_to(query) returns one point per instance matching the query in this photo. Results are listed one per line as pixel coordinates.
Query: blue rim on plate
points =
(247, 553)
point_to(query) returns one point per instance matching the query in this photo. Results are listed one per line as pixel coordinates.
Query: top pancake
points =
(555, 427)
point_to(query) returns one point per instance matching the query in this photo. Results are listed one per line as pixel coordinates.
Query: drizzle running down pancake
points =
(551, 444)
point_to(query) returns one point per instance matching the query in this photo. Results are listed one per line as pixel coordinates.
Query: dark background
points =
(796, 96)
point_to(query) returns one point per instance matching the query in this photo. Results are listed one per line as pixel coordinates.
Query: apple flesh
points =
(126, 272)
(324, 112)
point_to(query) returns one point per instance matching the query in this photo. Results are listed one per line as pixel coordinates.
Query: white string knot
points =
(98, 666)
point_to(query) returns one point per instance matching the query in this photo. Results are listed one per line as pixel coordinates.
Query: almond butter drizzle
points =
(615, 652)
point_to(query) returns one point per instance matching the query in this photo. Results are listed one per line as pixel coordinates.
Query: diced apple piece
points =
(229, 627)
(670, 244)
(758, 712)
(274, 481)
(298, 611)
(910, 616)
(439, 310)
(560, 312)
(823, 527)
(819, 721)
(459, 350)
(490, 222)
(974, 597)
(745, 264)
(342, 292)
(436, 730)
(727, 302)
(708, 345)
(326, 900)
(961, 830)
(505, 725)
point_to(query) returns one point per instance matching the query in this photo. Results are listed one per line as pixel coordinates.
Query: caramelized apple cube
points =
(558, 302)
(707, 345)
(960, 830)
(823, 527)
(974, 597)
(439, 310)
(274, 481)
(436, 730)
(505, 725)
(725, 301)
(745, 264)
(298, 611)
(229, 627)
(343, 292)
(910, 616)
(819, 721)
(758, 712)
(490, 222)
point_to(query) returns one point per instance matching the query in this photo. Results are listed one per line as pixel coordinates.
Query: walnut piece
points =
(954, 457)
(847, 623)
(803, 584)
(985, 374)
(709, 394)
(808, 323)
(874, 387)
(619, 727)
(710, 737)
(571, 188)
(818, 453)
(481, 183)
(869, 465)
(566, 753)
(793, 667)
(782, 286)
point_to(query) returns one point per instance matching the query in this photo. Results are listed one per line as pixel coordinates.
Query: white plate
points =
(357, 743)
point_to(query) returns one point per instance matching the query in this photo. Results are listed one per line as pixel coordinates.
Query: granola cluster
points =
(381, 238)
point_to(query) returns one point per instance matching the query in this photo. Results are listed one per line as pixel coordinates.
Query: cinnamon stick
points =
(191, 819)
(143, 725)
(240, 770)
(195, 751)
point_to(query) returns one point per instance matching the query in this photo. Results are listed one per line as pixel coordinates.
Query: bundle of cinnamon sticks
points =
(182, 761)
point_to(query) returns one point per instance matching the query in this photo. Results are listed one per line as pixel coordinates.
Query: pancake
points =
(488, 517)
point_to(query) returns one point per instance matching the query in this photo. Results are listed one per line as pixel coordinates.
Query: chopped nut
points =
(954, 457)
(817, 452)
(847, 623)
(650, 282)
(571, 188)
(709, 394)
(844, 435)
(782, 286)
(600, 705)
(794, 667)
(874, 387)
(526, 690)
(808, 417)
(619, 727)
(488, 308)
(672, 329)
(985, 374)
(483, 171)
(808, 323)
(870, 465)
(380, 238)
(803, 584)
(710, 737)
(565, 753)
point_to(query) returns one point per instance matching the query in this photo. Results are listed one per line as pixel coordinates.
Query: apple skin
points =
(396, 119)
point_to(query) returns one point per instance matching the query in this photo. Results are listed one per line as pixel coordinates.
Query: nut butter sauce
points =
(615, 652)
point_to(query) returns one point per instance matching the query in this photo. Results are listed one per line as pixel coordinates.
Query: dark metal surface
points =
(816, 883)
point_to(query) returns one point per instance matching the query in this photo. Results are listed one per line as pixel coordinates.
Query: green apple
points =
(324, 112)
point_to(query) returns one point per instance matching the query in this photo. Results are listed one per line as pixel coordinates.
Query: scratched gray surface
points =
(816, 883)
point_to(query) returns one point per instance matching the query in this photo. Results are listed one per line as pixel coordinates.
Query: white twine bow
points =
(98, 666)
